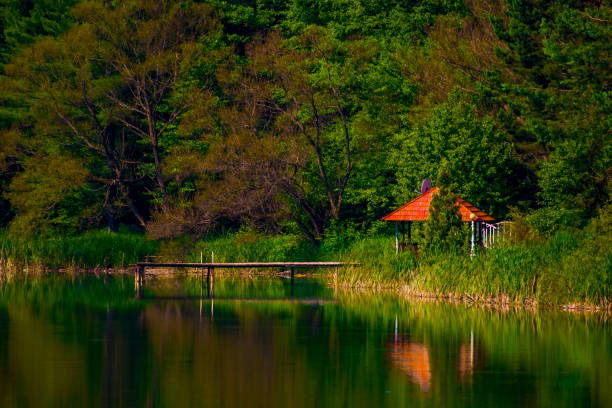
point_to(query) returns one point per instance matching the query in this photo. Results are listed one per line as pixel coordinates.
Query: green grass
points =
(573, 266)
(376, 254)
(92, 249)
(567, 268)
(253, 247)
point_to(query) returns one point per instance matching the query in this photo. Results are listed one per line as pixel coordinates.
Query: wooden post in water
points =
(336, 277)
(142, 280)
(136, 283)
(212, 271)
(336, 284)
(212, 282)
(139, 281)
(201, 278)
(139, 271)
(208, 281)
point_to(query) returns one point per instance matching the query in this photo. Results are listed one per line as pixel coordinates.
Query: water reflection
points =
(413, 359)
(469, 356)
(75, 344)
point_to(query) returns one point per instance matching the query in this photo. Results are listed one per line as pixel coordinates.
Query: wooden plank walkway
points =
(247, 264)
(211, 266)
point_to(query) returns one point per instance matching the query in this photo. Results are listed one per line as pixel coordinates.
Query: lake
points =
(84, 341)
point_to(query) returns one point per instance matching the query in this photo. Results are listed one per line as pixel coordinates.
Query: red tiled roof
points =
(418, 210)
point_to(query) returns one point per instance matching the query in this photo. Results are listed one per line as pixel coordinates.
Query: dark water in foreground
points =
(65, 344)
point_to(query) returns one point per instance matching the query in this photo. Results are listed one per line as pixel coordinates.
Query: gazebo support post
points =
(396, 239)
(472, 240)
(410, 235)
(410, 232)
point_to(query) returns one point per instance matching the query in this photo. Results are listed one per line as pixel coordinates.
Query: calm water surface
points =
(87, 343)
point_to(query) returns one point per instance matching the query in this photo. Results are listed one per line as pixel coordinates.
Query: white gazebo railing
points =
(492, 233)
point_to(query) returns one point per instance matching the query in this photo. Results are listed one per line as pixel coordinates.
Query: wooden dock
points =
(210, 270)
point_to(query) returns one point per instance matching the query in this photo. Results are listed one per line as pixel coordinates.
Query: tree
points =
(150, 49)
(115, 76)
(476, 155)
(23, 22)
(9, 166)
(65, 84)
(558, 111)
(304, 98)
(443, 229)
(575, 182)
(46, 193)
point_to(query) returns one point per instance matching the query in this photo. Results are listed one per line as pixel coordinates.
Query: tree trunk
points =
(135, 210)
(111, 209)
(158, 171)
(309, 234)
(116, 184)
(112, 219)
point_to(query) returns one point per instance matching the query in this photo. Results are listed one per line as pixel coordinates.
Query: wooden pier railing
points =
(210, 268)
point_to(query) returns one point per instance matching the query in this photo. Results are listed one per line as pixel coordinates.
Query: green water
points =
(86, 342)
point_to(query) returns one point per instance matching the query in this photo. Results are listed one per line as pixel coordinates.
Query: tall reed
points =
(92, 249)
(571, 267)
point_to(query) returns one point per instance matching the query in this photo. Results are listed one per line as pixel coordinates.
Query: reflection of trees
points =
(39, 359)
(236, 359)
(123, 359)
(170, 353)
(261, 354)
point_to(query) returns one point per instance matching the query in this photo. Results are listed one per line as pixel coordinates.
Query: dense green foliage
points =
(273, 130)
(570, 267)
(473, 156)
(186, 118)
(443, 229)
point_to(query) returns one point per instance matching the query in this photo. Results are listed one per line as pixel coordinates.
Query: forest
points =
(182, 121)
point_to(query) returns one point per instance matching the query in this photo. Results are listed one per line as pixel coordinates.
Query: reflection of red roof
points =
(418, 209)
(413, 359)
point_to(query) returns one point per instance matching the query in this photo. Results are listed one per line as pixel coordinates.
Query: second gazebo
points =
(418, 210)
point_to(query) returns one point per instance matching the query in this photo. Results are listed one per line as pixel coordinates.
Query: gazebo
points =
(418, 210)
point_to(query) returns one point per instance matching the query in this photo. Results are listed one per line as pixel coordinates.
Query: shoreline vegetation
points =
(571, 269)
(283, 131)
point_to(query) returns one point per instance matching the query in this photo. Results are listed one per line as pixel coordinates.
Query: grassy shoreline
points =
(569, 268)
(189, 286)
